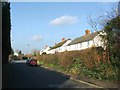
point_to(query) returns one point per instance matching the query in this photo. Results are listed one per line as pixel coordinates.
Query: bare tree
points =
(110, 23)
(99, 22)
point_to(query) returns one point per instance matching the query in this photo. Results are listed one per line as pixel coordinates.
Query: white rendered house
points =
(16, 54)
(60, 47)
(80, 43)
(45, 50)
(86, 41)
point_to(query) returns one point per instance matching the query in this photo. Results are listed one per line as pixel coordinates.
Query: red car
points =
(32, 62)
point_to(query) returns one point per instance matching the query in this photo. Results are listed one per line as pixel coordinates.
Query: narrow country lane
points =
(20, 75)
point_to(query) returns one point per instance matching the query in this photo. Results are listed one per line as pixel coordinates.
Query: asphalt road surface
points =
(20, 75)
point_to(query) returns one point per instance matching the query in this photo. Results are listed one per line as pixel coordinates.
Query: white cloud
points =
(63, 20)
(37, 38)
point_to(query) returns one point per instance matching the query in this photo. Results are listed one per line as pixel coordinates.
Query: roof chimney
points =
(63, 39)
(55, 43)
(46, 46)
(87, 32)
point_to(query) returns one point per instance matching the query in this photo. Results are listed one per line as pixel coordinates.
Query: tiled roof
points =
(59, 44)
(83, 38)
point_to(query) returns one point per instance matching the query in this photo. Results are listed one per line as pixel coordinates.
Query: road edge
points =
(80, 81)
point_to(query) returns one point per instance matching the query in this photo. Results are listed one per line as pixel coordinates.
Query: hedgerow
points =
(87, 62)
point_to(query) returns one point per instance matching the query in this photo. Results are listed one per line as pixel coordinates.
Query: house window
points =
(60, 49)
(56, 51)
(80, 45)
(69, 47)
(88, 43)
(74, 46)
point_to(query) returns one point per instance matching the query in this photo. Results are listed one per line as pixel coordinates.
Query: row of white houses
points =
(80, 43)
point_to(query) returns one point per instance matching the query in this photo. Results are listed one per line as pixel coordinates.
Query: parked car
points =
(32, 62)
(27, 62)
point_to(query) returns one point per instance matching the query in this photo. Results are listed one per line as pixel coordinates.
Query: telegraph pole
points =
(29, 51)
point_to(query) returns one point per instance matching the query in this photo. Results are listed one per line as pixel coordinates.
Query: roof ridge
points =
(59, 44)
(84, 38)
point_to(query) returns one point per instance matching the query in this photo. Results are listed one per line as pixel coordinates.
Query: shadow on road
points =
(21, 75)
